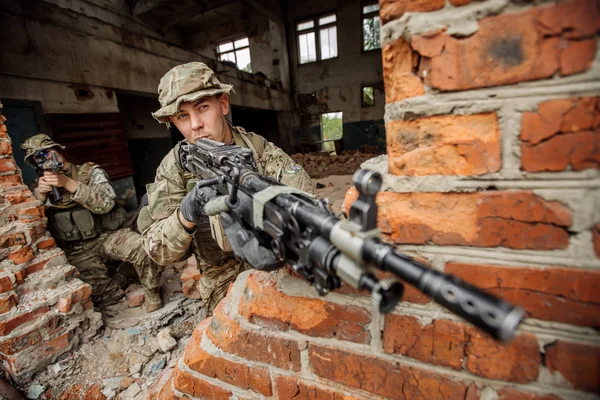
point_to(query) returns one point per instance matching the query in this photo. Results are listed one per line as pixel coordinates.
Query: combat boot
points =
(152, 299)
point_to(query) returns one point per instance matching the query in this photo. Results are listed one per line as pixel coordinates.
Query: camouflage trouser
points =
(216, 279)
(91, 257)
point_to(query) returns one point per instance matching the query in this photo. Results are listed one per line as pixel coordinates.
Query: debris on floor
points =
(320, 165)
(130, 351)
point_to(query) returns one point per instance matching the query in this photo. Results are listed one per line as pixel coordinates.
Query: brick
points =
(578, 151)
(23, 195)
(64, 304)
(458, 3)
(263, 304)
(399, 63)
(289, 387)
(30, 214)
(513, 219)
(28, 339)
(14, 179)
(259, 346)
(21, 364)
(36, 266)
(36, 231)
(515, 394)
(166, 392)
(578, 363)
(15, 239)
(194, 386)
(512, 48)
(444, 145)
(256, 378)
(451, 344)
(596, 239)
(8, 301)
(393, 9)
(385, 378)
(5, 284)
(7, 165)
(568, 295)
(561, 115)
(189, 281)
(76, 392)
(5, 148)
(10, 324)
(21, 256)
(47, 244)
(81, 294)
(135, 298)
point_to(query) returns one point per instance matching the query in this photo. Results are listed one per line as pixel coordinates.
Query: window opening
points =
(368, 98)
(332, 128)
(317, 39)
(238, 52)
(371, 27)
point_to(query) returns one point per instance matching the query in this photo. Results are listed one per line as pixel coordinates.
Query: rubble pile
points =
(320, 165)
(130, 351)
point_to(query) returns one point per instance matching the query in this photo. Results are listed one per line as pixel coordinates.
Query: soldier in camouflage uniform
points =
(173, 224)
(86, 224)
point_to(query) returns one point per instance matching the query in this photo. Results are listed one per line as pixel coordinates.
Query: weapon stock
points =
(323, 249)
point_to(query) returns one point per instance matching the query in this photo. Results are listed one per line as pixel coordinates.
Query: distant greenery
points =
(371, 35)
(247, 68)
(331, 129)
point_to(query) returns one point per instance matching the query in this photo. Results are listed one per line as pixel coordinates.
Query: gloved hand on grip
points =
(192, 205)
(246, 246)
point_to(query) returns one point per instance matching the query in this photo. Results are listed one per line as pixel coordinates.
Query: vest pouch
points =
(84, 221)
(207, 248)
(114, 219)
(63, 227)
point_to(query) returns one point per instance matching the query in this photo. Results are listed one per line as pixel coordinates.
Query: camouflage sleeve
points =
(163, 237)
(278, 165)
(98, 195)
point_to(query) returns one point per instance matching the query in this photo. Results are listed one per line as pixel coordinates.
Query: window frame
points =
(233, 50)
(316, 30)
(363, 17)
(362, 87)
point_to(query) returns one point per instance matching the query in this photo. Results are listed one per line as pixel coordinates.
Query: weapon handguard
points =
(325, 250)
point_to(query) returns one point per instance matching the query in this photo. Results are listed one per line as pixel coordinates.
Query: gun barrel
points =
(487, 312)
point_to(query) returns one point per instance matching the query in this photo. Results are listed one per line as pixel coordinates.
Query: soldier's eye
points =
(181, 116)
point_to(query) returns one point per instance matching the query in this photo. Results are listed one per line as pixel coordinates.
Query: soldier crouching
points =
(86, 222)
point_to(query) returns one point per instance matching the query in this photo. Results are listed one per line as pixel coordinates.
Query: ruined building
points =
(489, 115)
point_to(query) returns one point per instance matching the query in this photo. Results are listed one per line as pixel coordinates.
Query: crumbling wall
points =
(493, 127)
(45, 310)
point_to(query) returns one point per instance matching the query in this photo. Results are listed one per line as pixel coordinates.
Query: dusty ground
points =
(125, 358)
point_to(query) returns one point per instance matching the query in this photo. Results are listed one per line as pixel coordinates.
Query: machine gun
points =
(325, 250)
(42, 164)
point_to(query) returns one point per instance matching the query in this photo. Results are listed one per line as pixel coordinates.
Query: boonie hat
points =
(38, 142)
(184, 83)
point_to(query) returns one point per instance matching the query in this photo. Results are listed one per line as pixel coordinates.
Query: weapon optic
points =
(302, 231)
(53, 165)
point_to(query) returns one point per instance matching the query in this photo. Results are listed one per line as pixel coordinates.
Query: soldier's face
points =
(204, 118)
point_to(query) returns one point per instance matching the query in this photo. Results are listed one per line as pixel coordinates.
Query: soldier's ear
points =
(224, 102)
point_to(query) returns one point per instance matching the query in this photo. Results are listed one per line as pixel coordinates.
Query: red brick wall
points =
(45, 310)
(493, 129)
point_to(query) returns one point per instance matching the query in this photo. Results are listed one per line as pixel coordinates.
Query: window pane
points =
(227, 57)
(327, 20)
(328, 39)
(225, 47)
(308, 51)
(367, 96)
(306, 25)
(241, 43)
(371, 8)
(331, 129)
(243, 60)
(371, 33)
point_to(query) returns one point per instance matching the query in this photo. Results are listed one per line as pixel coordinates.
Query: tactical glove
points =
(245, 245)
(192, 205)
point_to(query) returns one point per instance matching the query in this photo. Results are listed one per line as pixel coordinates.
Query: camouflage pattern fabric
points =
(90, 257)
(165, 239)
